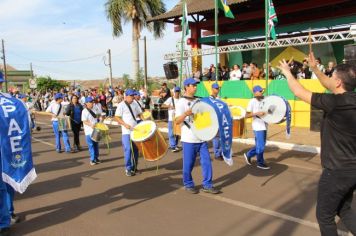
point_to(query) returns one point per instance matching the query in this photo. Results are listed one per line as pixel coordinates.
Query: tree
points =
(137, 11)
(45, 83)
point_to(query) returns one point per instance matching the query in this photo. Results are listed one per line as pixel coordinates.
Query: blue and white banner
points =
(288, 117)
(225, 127)
(15, 140)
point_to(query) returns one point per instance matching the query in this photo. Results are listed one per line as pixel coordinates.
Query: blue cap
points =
(1, 77)
(22, 95)
(137, 93)
(130, 92)
(58, 96)
(190, 81)
(89, 99)
(257, 88)
(177, 89)
(215, 86)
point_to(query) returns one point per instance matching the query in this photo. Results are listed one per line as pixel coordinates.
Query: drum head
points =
(205, 123)
(275, 109)
(237, 112)
(143, 131)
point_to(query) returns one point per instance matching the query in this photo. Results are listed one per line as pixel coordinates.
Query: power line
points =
(59, 61)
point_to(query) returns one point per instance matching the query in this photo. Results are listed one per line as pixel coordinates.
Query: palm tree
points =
(137, 11)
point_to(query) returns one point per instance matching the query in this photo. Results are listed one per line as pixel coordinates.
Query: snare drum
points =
(64, 123)
(275, 108)
(100, 132)
(238, 125)
(149, 140)
(205, 122)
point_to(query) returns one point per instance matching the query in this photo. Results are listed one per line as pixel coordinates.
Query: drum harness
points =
(190, 98)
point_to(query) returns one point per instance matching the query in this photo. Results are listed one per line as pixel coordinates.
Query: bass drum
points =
(275, 108)
(205, 121)
(149, 140)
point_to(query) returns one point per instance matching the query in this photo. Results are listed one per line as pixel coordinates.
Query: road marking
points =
(47, 143)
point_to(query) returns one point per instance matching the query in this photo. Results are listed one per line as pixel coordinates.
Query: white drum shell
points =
(209, 133)
(275, 109)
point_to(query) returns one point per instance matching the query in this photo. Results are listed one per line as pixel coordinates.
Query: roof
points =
(193, 6)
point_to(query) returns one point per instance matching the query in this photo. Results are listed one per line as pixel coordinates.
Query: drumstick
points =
(310, 40)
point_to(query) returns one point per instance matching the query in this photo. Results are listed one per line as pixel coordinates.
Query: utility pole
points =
(4, 61)
(110, 68)
(145, 49)
(31, 70)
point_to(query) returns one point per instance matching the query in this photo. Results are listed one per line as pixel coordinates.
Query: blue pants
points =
(217, 147)
(173, 139)
(10, 192)
(131, 156)
(190, 152)
(258, 150)
(93, 148)
(4, 210)
(58, 134)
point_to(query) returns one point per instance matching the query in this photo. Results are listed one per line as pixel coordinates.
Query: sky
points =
(69, 39)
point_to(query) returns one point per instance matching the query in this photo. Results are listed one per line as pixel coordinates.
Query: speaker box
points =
(350, 54)
(316, 117)
(171, 70)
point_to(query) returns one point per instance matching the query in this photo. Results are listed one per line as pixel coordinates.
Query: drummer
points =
(57, 110)
(170, 103)
(216, 141)
(89, 120)
(259, 128)
(192, 146)
(125, 115)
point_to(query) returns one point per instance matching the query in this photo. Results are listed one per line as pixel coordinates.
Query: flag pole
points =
(182, 46)
(266, 42)
(216, 40)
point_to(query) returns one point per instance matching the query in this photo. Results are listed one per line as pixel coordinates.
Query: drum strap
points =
(92, 113)
(128, 106)
(59, 110)
(174, 105)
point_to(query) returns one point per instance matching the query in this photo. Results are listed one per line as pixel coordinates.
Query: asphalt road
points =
(70, 197)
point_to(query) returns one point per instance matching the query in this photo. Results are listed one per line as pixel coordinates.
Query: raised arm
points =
(298, 90)
(324, 79)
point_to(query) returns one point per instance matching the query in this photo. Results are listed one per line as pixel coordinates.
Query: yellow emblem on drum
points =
(202, 120)
(236, 112)
(146, 115)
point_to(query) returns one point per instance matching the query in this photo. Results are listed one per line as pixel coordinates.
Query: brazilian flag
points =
(223, 6)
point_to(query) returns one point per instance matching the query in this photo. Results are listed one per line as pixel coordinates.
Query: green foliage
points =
(45, 83)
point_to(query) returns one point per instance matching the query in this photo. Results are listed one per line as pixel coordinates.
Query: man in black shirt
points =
(338, 143)
(165, 93)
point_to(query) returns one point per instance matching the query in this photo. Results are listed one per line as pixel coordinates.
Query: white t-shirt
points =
(54, 108)
(124, 112)
(235, 74)
(187, 135)
(169, 102)
(86, 116)
(257, 123)
(82, 100)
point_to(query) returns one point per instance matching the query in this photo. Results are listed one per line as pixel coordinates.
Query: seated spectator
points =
(255, 72)
(330, 70)
(235, 74)
(246, 72)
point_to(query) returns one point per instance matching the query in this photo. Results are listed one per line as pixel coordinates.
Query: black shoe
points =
(93, 163)
(263, 167)
(97, 161)
(211, 190)
(175, 149)
(247, 160)
(5, 231)
(15, 218)
(191, 190)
